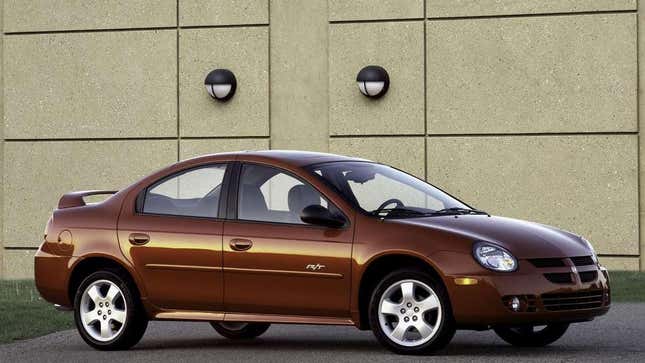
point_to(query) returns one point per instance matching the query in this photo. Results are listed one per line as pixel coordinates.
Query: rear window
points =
(194, 193)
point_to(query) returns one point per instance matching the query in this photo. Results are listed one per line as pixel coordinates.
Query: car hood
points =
(523, 239)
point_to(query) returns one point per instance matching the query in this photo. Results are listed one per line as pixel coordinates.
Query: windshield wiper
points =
(385, 212)
(458, 210)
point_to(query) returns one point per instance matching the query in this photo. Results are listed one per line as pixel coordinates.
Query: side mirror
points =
(321, 216)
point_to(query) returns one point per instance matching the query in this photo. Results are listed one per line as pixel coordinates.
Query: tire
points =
(235, 330)
(424, 305)
(527, 336)
(119, 322)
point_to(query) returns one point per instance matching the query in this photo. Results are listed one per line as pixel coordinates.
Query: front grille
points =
(588, 276)
(559, 277)
(531, 303)
(582, 260)
(572, 300)
(547, 262)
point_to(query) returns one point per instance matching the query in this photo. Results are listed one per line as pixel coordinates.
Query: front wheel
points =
(240, 330)
(532, 336)
(107, 311)
(410, 313)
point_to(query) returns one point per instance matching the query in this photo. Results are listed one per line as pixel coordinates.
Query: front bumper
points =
(486, 303)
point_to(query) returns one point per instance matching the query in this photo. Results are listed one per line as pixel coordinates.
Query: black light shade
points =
(221, 84)
(373, 81)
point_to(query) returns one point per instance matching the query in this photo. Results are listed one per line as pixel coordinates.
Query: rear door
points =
(173, 236)
(273, 262)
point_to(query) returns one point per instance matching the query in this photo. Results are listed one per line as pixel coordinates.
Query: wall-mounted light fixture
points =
(373, 81)
(221, 84)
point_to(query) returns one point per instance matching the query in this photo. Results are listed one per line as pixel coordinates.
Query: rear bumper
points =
(51, 273)
(485, 303)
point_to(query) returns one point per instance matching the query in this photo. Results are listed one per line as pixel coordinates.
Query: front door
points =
(276, 264)
(174, 238)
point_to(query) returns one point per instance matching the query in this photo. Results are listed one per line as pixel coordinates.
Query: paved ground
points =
(618, 336)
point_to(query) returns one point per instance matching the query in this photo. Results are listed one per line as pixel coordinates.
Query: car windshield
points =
(387, 192)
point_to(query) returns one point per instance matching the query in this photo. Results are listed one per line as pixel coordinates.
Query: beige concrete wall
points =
(582, 183)
(524, 108)
(85, 85)
(37, 173)
(57, 15)
(246, 55)
(574, 73)
(621, 263)
(403, 152)
(196, 147)
(641, 123)
(471, 8)
(299, 68)
(396, 46)
(223, 12)
(348, 10)
(1, 144)
(105, 92)
(529, 108)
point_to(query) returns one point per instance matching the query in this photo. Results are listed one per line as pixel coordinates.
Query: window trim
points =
(139, 202)
(234, 195)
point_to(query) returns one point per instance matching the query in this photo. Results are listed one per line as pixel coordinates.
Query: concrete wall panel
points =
(620, 263)
(641, 122)
(2, 251)
(46, 15)
(38, 173)
(532, 74)
(343, 10)
(299, 68)
(223, 12)
(18, 264)
(245, 52)
(196, 147)
(90, 85)
(464, 8)
(405, 153)
(395, 46)
(584, 184)
(564, 70)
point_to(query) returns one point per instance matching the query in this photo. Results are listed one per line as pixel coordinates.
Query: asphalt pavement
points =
(618, 336)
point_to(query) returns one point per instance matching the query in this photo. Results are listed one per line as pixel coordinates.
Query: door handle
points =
(138, 238)
(240, 244)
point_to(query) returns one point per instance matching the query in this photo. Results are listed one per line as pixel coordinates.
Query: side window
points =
(270, 195)
(192, 193)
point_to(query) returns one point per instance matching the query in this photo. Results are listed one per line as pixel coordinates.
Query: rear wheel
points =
(410, 313)
(532, 336)
(107, 311)
(240, 330)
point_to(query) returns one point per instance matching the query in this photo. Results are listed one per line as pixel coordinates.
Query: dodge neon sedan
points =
(242, 240)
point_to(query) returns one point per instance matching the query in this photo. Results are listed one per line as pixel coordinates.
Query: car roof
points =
(284, 157)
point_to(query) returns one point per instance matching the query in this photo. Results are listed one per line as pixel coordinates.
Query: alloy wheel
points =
(410, 312)
(103, 310)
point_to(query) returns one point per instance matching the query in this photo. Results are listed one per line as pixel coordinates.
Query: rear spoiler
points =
(75, 199)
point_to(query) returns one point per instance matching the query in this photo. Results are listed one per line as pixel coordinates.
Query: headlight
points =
(593, 252)
(494, 257)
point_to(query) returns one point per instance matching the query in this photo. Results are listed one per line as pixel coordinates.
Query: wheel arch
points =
(378, 267)
(89, 264)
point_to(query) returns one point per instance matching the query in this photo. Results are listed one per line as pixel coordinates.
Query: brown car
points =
(246, 239)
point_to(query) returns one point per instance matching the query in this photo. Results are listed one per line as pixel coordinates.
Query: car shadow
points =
(345, 345)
